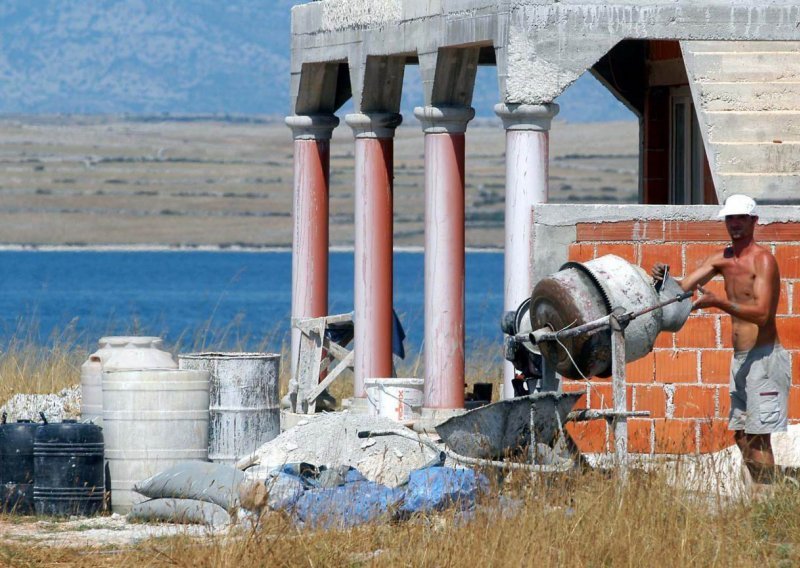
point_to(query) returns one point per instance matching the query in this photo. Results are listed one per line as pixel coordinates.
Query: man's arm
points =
(760, 311)
(699, 277)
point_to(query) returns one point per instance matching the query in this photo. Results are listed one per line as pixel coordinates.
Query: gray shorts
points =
(760, 381)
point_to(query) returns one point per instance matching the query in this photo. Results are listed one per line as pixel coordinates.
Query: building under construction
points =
(715, 86)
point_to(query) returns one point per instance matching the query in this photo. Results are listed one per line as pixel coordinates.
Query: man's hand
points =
(707, 300)
(658, 271)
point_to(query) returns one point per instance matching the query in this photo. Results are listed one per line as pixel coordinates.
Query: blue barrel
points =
(68, 469)
(16, 467)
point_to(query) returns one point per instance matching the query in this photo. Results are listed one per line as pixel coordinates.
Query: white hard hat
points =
(739, 204)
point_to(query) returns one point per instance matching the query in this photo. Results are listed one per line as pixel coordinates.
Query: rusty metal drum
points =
(244, 404)
(583, 292)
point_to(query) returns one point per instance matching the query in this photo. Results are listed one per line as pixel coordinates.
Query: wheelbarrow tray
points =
(503, 428)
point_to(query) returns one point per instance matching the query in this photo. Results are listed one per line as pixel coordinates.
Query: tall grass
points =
(581, 519)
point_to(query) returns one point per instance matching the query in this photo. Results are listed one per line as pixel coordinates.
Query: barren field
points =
(109, 180)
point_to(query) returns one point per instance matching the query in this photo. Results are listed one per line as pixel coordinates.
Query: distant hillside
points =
(181, 57)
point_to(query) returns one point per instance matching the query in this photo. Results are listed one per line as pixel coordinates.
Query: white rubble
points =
(331, 439)
(63, 405)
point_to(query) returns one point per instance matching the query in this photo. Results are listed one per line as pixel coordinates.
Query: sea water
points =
(213, 299)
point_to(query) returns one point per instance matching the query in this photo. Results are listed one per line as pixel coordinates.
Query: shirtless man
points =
(760, 370)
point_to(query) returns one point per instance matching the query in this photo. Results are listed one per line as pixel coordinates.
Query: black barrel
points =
(16, 467)
(68, 467)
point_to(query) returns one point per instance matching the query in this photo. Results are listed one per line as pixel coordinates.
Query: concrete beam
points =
(448, 76)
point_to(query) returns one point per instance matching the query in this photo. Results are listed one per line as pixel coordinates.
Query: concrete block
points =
(740, 46)
(778, 66)
(770, 188)
(766, 158)
(417, 9)
(743, 127)
(717, 97)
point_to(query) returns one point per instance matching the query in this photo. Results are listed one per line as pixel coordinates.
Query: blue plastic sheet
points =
(319, 499)
(346, 506)
(437, 488)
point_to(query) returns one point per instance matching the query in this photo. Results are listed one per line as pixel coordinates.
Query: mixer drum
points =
(583, 292)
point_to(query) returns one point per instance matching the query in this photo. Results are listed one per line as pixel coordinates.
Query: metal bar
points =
(332, 376)
(585, 415)
(597, 324)
(618, 389)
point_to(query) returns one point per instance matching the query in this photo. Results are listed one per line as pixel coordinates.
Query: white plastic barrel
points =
(244, 401)
(116, 353)
(152, 420)
(398, 399)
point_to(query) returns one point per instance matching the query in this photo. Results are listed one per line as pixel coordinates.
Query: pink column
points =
(312, 134)
(444, 129)
(527, 154)
(372, 290)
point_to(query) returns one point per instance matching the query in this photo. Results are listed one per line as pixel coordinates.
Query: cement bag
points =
(279, 493)
(179, 511)
(347, 505)
(204, 481)
(436, 488)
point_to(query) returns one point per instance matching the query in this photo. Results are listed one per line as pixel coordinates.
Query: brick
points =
(794, 402)
(581, 252)
(795, 367)
(665, 340)
(788, 257)
(602, 396)
(694, 402)
(699, 231)
(620, 231)
(778, 232)
(675, 436)
(697, 332)
(716, 287)
(590, 436)
(715, 436)
(795, 288)
(724, 400)
(696, 254)
(783, 302)
(726, 332)
(671, 254)
(676, 366)
(653, 399)
(642, 370)
(715, 367)
(789, 331)
(640, 439)
(576, 386)
(623, 250)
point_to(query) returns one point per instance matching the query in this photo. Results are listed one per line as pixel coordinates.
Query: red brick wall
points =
(684, 381)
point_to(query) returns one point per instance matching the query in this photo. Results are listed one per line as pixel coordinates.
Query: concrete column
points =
(372, 290)
(444, 129)
(527, 155)
(312, 135)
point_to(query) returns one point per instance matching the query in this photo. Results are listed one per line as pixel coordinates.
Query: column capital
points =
(444, 119)
(312, 126)
(374, 124)
(527, 117)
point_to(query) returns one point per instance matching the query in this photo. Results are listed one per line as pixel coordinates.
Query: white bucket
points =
(398, 399)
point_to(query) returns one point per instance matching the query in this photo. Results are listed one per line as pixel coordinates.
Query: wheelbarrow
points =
(503, 429)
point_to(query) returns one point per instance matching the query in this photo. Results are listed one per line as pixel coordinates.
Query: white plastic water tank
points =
(152, 420)
(116, 353)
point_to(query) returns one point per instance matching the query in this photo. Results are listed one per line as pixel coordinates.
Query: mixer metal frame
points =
(616, 322)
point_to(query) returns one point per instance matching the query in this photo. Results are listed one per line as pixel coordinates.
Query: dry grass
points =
(581, 520)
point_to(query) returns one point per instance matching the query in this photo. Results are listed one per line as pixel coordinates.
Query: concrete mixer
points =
(590, 319)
